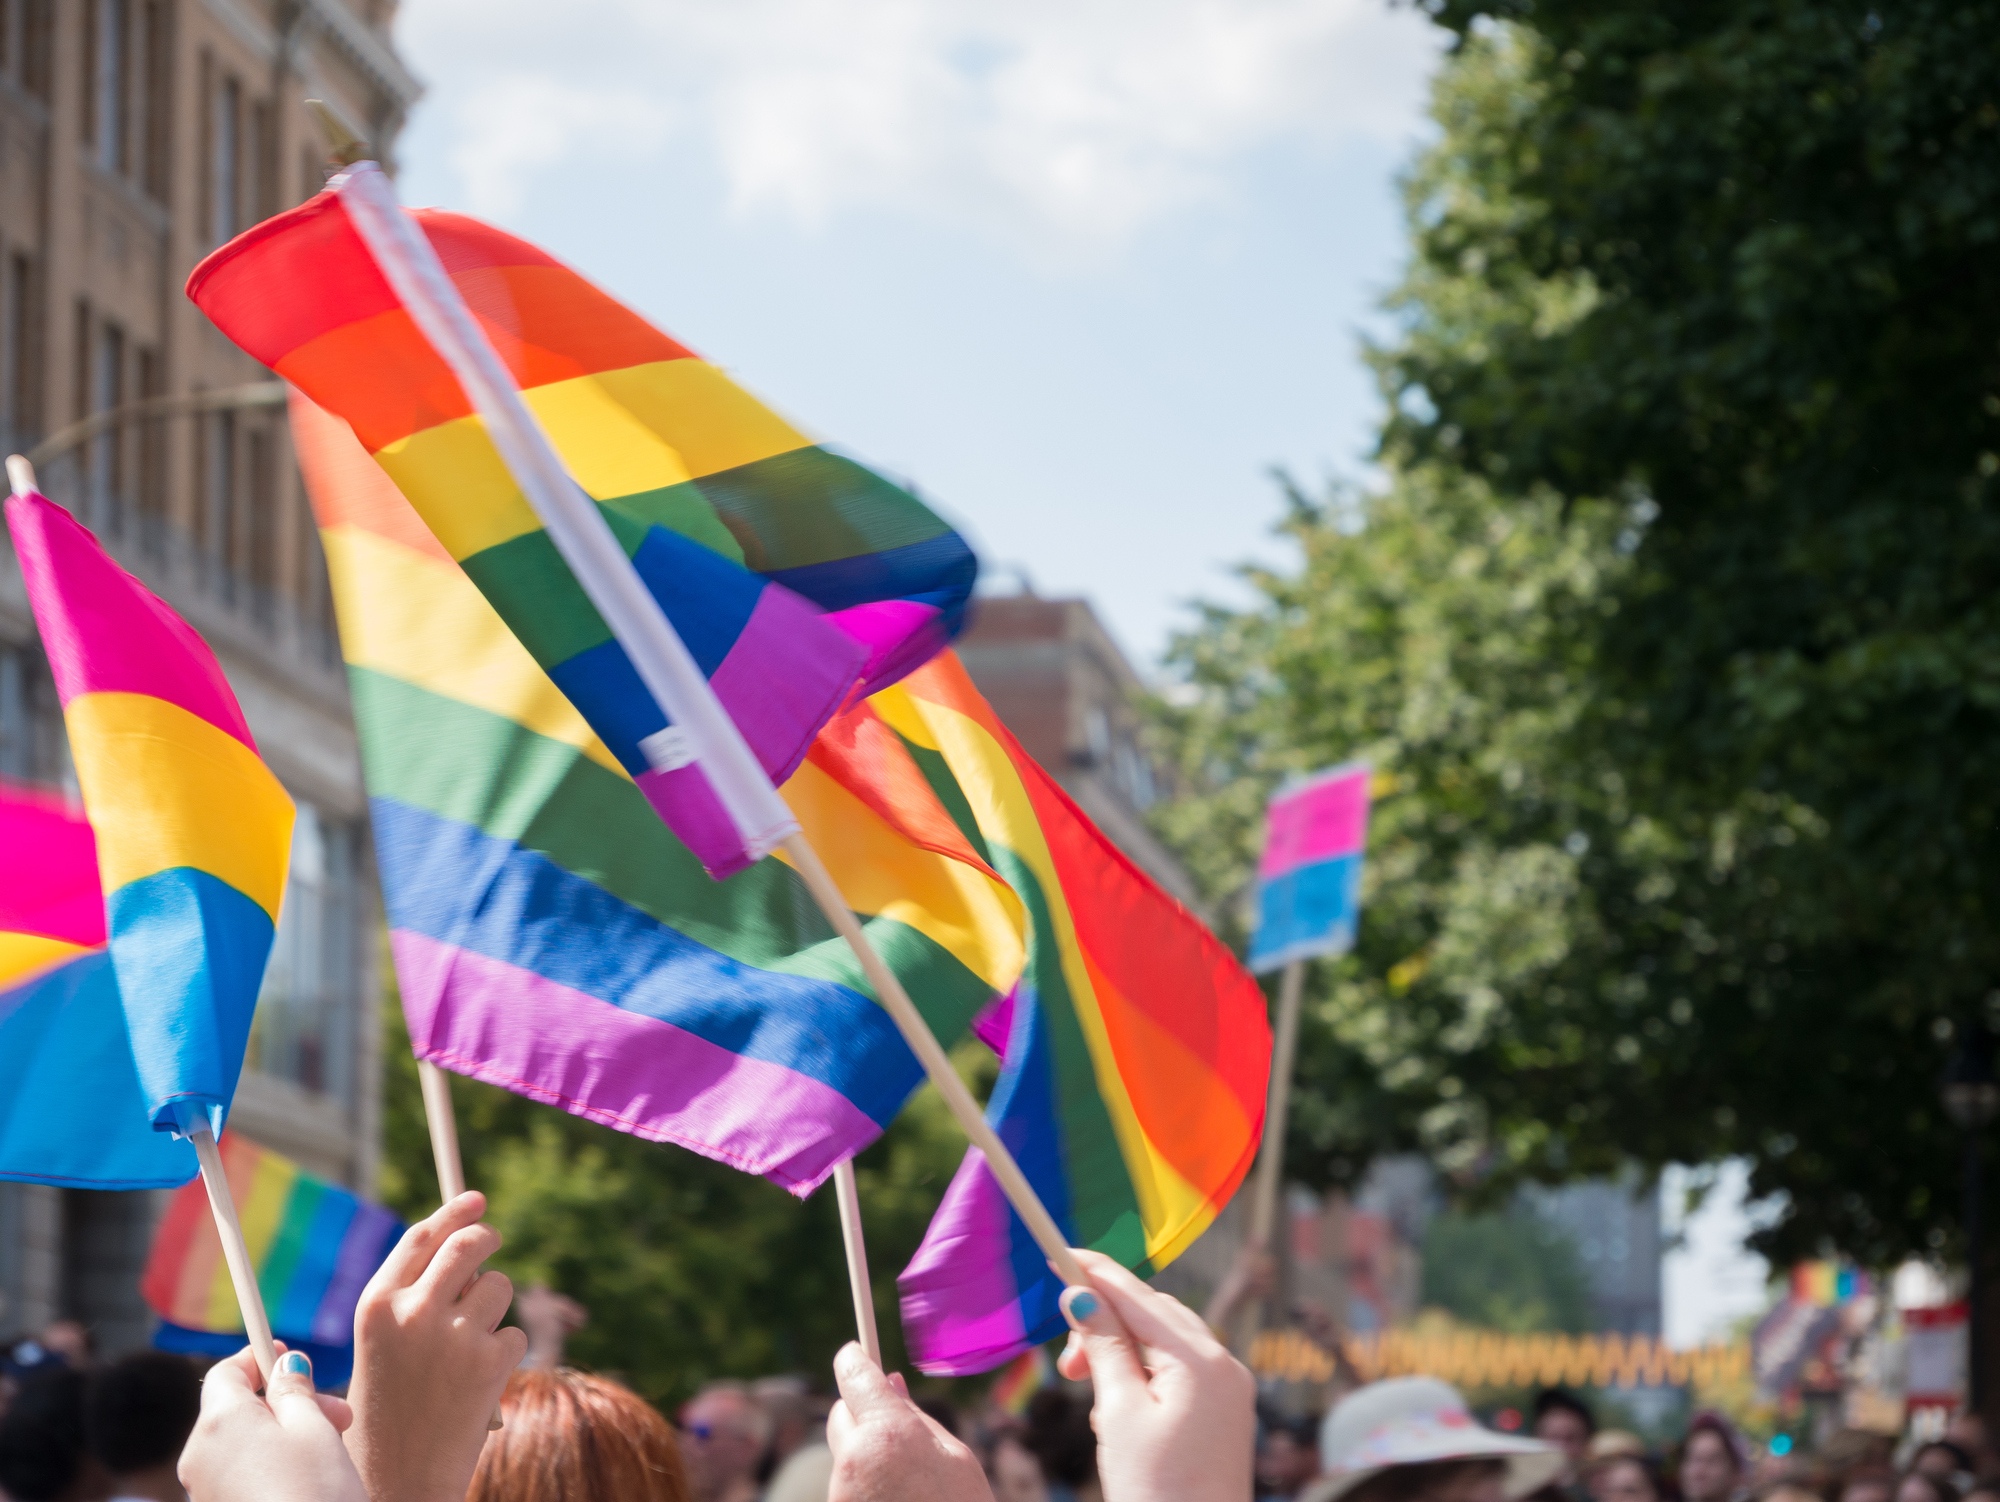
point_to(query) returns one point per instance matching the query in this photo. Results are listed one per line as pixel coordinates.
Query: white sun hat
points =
(1416, 1421)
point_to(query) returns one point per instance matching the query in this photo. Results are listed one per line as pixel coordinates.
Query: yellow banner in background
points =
(1486, 1358)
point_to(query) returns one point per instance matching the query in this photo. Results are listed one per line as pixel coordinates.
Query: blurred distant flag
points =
(1309, 880)
(1020, 1379)
(64, 1047)
(193, 832)
(551, 936)
(314, 1246)
(1135, 1050)
(743, 529)
(1824, 1284)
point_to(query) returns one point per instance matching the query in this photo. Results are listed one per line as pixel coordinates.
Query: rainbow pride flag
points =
(1309, 876)
(1136, 1051)
(193, 832)
(314, 1245)
(744, 530)
(551, 937)
(1019, 1381)
(71, 1108)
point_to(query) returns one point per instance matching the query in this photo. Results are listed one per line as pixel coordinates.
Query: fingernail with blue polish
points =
(295, 1362)
(1082, 1305)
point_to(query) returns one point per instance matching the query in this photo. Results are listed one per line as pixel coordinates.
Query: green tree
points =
(1673, 631)
(690, 1269)
(1506, 1270)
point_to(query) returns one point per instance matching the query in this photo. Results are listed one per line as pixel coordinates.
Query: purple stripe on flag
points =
(497, 1022)
(685, 800)
(961, 1266)
(362, 1250)
(779, 675)
(899, 635)
(1326, 818)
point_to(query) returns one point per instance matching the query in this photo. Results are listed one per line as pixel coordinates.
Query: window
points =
(107, 449)
(303, 1031)
(14, 348)
(262, 160)
(158, 113)
(261, 523)
(218, 497)
(108, 84)
(151, 487)
(17, 739)
(225, 158)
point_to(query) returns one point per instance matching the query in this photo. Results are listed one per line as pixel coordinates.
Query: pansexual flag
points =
(193, 832)
(1136, 1050)
(1309, 880)
(314, 1246)
(743, 529)
(71, 1110)
(553, 938)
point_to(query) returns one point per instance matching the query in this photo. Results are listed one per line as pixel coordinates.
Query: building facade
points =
(135, 137)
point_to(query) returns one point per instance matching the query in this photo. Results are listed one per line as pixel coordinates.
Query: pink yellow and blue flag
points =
(193, 832)
(314, 1246)
(63, 1040)
(1309, 879)
(797, 578)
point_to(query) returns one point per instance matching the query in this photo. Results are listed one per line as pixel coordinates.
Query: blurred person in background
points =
(1559, 1417)
(1924, 1486)
(1412, 1439)
(1060, 1435)
(1287, 1457)
(43, 1457)
(787, 1402)
(1868, 1483)
(549, 1318)
(572, 1437)
(1969, 1432)
(1788, 1489)
(1713, 1460)
(1013, 1470)
(70, 1339)
(137, 1415)
(1943, 1459)
(724, 1434)
(1628, 1478)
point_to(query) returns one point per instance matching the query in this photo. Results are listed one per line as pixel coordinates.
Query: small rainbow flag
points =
(193, 832)
(796, 578)
(1824, 1284)
(1135, 1048)
(1019, 1381)
(314, 1246)
(64, 1048)
(1309, 879)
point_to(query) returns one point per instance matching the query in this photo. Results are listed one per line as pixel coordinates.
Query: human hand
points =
(1251, 1276)
(550, 1318)
(430, 1358)
(1176, 1413)
(281, 1447)
(886, 1449)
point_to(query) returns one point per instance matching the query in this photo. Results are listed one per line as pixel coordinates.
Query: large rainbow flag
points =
(314, 1246)
(553, 938)
(71, 1108)
(1136, 1049)
(193, 832)
(744, 529)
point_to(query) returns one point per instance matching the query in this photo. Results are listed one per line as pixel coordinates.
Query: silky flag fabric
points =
(314, 1246)
(1309, 879)
(71, 1109)
(743, 529)
(1136, 1048)
(553, 938)
(193, 832)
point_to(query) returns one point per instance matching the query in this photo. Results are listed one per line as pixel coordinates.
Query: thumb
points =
(1114, 1362)
(864, 1388)
(290, 1392)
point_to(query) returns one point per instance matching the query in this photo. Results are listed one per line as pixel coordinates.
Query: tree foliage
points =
(1506, 1270)
(1674, 631)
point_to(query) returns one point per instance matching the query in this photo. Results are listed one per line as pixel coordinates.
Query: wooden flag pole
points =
(849, 1198)
(1271, 1160)
(930, 1053)
(235, 1251)
(443, 1122)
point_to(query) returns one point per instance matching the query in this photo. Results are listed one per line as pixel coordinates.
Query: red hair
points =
(572, 1437)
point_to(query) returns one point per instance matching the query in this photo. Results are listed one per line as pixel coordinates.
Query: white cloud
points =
(1078, 119)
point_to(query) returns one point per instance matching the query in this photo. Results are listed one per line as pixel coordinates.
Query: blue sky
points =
(1083, 270)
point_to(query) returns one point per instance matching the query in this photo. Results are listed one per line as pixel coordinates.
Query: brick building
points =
(135, 137)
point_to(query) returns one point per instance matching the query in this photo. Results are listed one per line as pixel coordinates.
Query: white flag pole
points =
(597, 559)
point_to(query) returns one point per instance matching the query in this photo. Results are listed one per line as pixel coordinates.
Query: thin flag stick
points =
(849, 1198)
(443, 1122)
(235, 1251)
(585, 541)
(1271, 1159)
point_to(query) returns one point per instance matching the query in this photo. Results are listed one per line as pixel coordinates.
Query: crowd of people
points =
(448, 1404)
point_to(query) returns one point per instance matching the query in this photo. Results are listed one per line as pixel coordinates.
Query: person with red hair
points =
(569, 1435)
